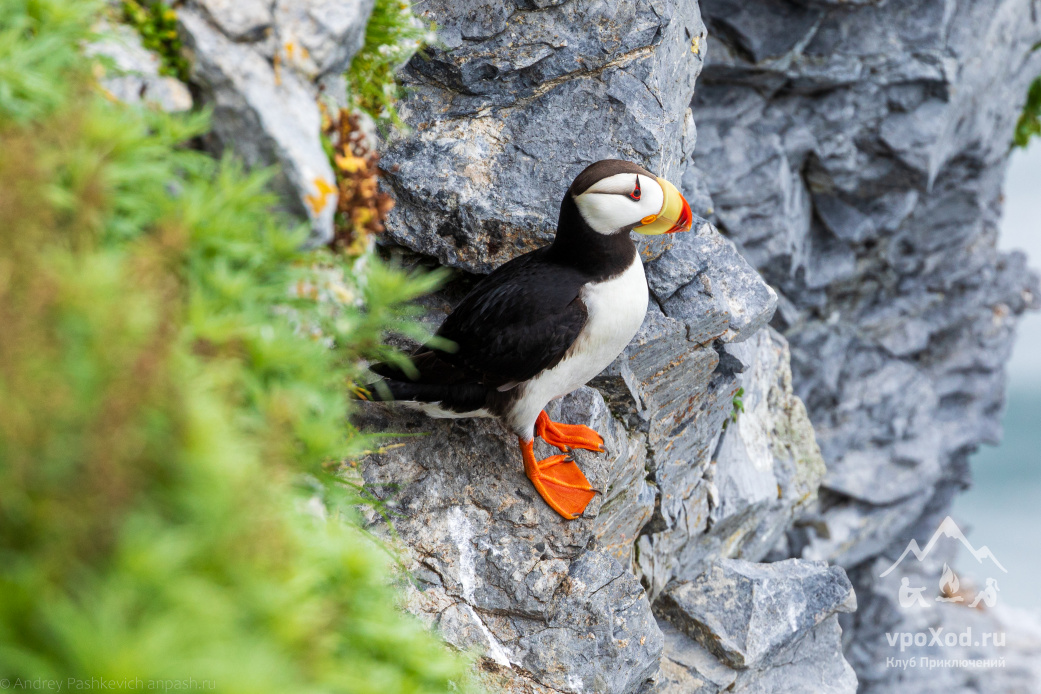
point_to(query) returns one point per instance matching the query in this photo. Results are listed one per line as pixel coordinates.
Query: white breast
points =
(615, 309)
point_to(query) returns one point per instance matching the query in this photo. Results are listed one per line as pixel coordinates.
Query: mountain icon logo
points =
(948, 528)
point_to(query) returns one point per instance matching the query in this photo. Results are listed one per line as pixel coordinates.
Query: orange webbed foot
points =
(565, 436)
(558, 480)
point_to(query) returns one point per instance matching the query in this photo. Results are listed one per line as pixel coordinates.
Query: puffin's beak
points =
(675, 214)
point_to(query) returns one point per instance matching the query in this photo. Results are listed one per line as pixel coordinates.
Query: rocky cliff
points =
(820, 356)
(855, 153)
(513, 105)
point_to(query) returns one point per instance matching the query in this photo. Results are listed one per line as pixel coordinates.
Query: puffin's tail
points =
(437, 383)
(391, 390)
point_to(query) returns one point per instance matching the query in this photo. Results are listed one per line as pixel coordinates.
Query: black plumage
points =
(517, 322)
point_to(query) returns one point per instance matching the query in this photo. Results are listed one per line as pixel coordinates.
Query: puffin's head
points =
(615, 196)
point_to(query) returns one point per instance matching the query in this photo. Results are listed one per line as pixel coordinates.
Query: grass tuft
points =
(156, 22)
(393, 35)
(1029, 124)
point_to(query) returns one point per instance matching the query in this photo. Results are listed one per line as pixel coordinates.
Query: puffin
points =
(545, 323)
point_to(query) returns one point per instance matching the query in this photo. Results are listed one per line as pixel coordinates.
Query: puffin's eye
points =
(635, 195)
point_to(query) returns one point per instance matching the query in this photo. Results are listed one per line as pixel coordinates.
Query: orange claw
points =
(565, 436)
(558, 480)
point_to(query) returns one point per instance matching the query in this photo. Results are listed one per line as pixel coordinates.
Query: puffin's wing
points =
(518, 321)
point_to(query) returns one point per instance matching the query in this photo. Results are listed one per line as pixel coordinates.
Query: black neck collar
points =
(577, 245)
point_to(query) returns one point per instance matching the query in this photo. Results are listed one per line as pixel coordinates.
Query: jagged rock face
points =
(855, 153)
(813, 664)
(518, 100)
(504, 113)
(259, 64)
(745, 627)
(136, 78)
(498, 570)
(772, 604)
(767, 467)
(727, 483)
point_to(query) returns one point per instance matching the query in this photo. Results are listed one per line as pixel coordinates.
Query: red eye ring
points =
(635, 195)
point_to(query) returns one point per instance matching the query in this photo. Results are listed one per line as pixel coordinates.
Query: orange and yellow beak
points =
(675, 214)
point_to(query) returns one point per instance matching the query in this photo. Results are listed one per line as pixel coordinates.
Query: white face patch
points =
(609, 204)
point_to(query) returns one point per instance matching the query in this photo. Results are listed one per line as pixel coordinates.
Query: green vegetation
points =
(156, 22)
(172, 396)
(392, 36)
(1029, 123)
(739, 405)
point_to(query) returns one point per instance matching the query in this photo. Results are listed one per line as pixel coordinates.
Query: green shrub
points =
(1029, 123)
(172, 387)
(392, 36)
(156, 22)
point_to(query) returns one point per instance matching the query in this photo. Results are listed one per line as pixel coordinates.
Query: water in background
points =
(1003, 509)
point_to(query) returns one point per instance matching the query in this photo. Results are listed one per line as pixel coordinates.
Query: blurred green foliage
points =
(172, 396)
(738, 402)
(1029, 123)
(156, 22)
(392, 36)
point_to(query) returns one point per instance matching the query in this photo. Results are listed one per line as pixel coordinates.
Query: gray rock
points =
(812, 665)
(599, 635)
(498, 570)
(703, 281)
(517, 102)
(258, 64)
(734, 498)
(136, 78)
(689, 668)
(843, 220)
(767, 467)
(266, 118)
(319, 37)
(668, 384)
(915, 137)
(855, 153)
(746, 614)
(240, 20)
(855, 531)
(668, 388)
(763, 29)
